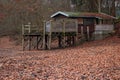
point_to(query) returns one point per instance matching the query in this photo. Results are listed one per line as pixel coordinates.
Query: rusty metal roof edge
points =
(77, 14)
(108, 15)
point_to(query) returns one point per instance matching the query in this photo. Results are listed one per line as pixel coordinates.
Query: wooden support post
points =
(64, 33)
(46, 42)
(82, 31)
(82, 36)
(88, 34)
(23, 42)
(59, 41)
(73, 40)
(70, 40)
(50, 35)
(44, 37)
(76, 32)
(22, 37)
(29, 40)
(37, 42)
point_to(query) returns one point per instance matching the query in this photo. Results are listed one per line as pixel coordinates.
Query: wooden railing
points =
(104, 27)
(61, 26)
(30, 29)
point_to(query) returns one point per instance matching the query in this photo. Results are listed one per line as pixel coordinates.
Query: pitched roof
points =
(84, 14)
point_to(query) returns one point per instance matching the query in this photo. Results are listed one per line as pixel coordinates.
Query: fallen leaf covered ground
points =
(95, 60)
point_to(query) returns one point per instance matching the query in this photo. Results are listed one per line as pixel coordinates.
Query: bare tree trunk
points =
(99, 6)
(113, 12)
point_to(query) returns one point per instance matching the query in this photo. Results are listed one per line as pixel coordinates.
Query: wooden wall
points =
(86, 23)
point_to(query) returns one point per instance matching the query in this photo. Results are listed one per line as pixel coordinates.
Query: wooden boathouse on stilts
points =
(66, 29)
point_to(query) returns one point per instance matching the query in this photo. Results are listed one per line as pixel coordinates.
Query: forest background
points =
(14, 13)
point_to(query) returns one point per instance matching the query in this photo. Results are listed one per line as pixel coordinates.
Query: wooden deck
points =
(34, 38)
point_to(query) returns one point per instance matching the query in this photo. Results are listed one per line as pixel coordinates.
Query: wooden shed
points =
(67, 29)
(89, 23)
